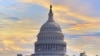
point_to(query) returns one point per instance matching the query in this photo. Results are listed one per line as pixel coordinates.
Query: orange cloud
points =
(66, 11)
(23, 32)
(84, 43)
(16, 36)
(1, 49)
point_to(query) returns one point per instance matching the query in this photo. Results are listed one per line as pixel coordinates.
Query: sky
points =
(20, 22)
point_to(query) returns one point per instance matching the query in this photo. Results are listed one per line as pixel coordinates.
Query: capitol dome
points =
(50, 39)
(50, 26)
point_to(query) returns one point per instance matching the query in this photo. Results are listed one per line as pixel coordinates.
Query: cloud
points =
(14, 18)
(66, 15)
(19, 33)
(17, 44)
(84, 43)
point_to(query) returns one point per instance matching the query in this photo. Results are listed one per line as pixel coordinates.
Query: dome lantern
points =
(50, 15)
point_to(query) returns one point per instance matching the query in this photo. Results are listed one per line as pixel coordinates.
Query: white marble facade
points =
(50, 40)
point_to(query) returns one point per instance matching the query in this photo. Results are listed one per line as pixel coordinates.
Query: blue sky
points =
(20, 21)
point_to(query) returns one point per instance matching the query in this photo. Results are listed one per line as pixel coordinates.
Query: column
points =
(50, 47)
(46, 47)
(56, 47)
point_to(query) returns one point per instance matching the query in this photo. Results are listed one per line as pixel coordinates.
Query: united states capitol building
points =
(50, 39)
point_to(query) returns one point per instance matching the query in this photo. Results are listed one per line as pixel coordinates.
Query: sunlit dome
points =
(50, 26)
(50, 39)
